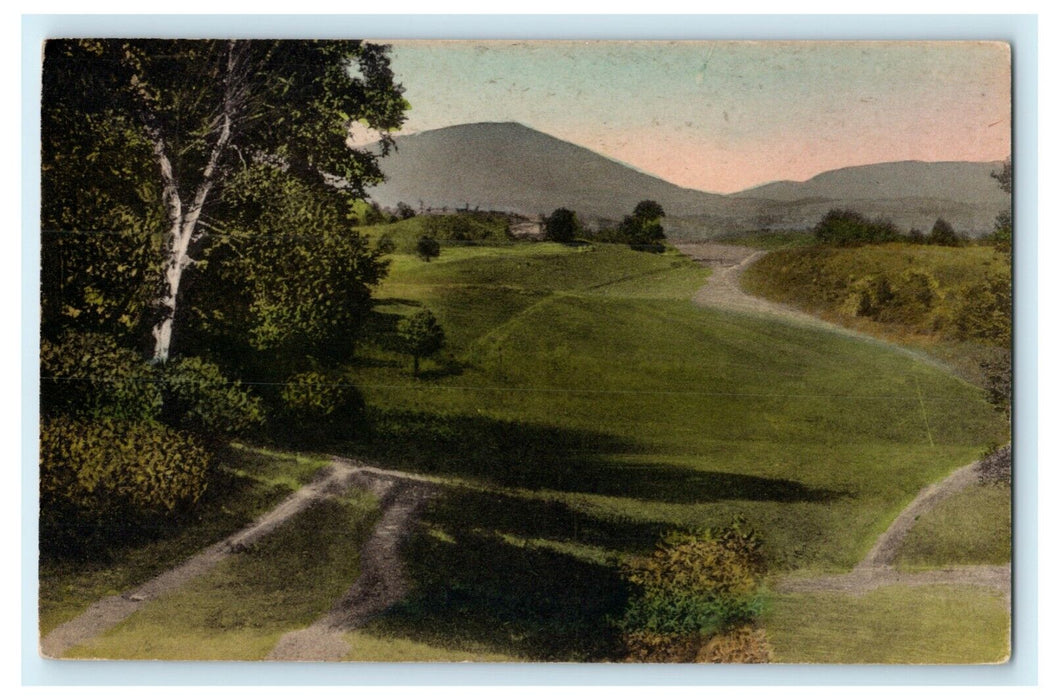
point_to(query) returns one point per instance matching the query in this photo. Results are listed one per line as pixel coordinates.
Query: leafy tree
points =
(846, 227)
(642, 228)
(404, 211)
(562, 226)
(289, 275)
(427, 247)
(916, 236)
(942, 233)
(422, 336)
(193, 114)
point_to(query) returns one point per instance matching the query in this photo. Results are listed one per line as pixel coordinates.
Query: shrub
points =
(102, 479)
(198, 397)
(846, 227)
(320, 404)
(695, 587)
(89, 375)
(985, 311)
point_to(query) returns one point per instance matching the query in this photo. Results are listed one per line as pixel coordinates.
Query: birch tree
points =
(205, 109)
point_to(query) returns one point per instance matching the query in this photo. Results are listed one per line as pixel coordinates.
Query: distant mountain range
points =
(510, 167)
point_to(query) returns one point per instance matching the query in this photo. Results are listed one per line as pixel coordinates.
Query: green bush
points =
(107, 478)
(319, 405)
(89, 375)
(696, 583)
(198, 397)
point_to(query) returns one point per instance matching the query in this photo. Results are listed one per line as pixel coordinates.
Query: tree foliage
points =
(427, 247)
(562, 226)
(846, 227)
(289, 274)
(161, 127)
(942, 233)
(421, 335)
(642, 228)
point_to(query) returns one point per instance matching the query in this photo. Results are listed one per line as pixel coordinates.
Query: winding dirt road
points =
(380, 584)
(723, 291)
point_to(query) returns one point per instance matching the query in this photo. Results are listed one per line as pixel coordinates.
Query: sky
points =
(724, 116)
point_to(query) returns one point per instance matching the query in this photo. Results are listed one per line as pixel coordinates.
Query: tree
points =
(421, 335)
(200, 111)
(942, 233)
(427, 247)
(562, 226)
(403, 211)
(290, 276)
(642, 228)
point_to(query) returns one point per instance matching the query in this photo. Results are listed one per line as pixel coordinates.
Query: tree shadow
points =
(514, 454)
(473, 589)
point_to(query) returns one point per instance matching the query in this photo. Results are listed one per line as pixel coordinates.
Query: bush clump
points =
(102, 480)
(198, 397)
(695, 588)
(317, 404)
(89, 375)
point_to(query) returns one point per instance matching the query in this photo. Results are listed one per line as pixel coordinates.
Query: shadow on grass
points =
(473, 590)
(513, 454)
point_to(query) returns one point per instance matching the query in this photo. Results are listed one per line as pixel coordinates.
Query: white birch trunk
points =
(183, 224)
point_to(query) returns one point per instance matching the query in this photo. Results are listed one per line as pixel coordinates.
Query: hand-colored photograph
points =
(606, 351)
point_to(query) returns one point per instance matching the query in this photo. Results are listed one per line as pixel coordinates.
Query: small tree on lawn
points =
(427, 248)
(422, 336)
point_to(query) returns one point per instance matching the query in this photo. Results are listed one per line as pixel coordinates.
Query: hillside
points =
(510, 167)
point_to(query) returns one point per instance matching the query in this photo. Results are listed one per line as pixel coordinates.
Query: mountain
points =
(509, 167)
(506, 166)
(954, 181)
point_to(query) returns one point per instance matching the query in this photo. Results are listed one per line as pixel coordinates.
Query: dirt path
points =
(723, 288)
(382, 581)
(876, 570)
(723, 291)
(108, 612)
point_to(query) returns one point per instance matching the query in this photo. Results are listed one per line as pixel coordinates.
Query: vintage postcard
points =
(529, 351)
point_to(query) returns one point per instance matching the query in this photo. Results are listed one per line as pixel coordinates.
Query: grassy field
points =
(894, 625)
(584, 406)
(831, 281)
(971, 527)
(248, 483)
(240, 609)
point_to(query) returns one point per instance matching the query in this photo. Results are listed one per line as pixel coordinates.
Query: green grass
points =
(248, 483)
(971, 527)
(898, 624)
(367, 646)
(585, 406)
(240, 609)
(829, 281)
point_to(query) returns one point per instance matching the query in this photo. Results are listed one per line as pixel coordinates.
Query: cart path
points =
(105, 614)
(723, 291)
(382, 581)
(876, 570)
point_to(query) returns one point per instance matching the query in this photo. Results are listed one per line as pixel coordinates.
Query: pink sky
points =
(725, 116)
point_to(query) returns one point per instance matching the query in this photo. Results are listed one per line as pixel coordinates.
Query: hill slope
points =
(510, 167)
